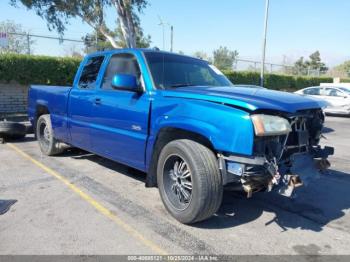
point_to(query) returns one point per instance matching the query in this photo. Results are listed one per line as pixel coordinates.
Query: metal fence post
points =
(28, 44)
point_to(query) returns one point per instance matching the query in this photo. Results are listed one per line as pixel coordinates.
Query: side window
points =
(121, 64)
(90, 72)
(312, 91)
(333, 92)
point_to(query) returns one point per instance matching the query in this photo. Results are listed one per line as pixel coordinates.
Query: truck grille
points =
(306, 132)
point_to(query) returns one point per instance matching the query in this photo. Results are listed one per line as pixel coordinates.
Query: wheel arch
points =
(40, 110)
(163, 137)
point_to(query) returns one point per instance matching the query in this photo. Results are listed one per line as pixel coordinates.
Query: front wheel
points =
(189, 181)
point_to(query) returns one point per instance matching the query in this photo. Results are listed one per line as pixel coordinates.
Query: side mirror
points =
(125, 82)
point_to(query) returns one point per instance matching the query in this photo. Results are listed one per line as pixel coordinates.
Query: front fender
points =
(227, 128)
(189, 124)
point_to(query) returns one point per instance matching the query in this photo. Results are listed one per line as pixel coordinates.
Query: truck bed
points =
(55, 99)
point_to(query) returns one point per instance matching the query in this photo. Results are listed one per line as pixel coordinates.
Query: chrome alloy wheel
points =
(177, 180)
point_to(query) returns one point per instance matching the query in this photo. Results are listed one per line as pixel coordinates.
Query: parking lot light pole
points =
(264, 44)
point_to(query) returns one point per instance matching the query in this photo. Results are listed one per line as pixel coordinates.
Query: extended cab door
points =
(81, 101)
(120, 118)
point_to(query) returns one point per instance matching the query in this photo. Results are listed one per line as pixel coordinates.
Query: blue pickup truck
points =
(181, 121)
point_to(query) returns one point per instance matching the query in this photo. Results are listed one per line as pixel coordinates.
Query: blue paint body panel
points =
(249, 98)
(123, 125)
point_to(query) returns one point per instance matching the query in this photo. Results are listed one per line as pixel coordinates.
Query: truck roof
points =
(142, 50)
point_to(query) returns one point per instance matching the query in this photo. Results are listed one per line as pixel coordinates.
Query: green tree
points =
(202, 55)
(98, 42)
(315, 62)
(142, 41)
(300, 67)
(342, 70)
(17, 39)
(224, 58)
(57, 14)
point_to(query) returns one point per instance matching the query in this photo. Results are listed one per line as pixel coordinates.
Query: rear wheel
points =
(44, 133)
(189, 181)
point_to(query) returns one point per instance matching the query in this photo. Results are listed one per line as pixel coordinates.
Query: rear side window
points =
(333, 92)
(312, 91)
(90, 72)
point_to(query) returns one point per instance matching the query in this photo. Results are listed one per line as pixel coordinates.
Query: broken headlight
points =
(268, 125)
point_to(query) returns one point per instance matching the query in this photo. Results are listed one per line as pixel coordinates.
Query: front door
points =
(81, 101)
(120, 117)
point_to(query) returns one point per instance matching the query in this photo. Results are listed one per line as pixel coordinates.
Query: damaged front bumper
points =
(281, 162)
(253, 174)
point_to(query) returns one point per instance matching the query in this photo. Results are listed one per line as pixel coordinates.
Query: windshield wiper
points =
(181, 85)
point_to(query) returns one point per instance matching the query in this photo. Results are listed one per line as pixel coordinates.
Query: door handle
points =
(98, 101)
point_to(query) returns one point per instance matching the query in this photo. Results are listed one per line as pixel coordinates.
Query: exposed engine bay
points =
(283, 160)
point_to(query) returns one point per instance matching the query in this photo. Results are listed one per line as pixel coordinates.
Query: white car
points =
(338, 98)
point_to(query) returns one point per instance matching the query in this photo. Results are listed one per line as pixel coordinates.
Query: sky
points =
(295, 27)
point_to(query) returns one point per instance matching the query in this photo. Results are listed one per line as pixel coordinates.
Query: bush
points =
(44, 70)
(276, 81)
(345, 80)
(248, 78)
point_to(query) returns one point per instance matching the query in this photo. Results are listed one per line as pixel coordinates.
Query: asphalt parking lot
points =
(79, 203)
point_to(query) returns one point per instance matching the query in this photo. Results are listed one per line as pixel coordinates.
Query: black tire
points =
(49, 145)
(29, 129)
(205, 179)
(12, 130)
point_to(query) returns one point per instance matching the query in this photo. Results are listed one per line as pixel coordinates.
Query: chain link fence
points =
(36, 44)
(254, 66)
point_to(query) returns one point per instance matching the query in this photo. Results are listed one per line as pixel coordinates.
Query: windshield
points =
(172, 71)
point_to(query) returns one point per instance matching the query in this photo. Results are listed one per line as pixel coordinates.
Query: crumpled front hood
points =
(248, 98)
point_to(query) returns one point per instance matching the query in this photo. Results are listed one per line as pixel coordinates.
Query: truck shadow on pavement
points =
(106, 163)
(5, 205)
(319, 204)
(322, 203)
(327, 130)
